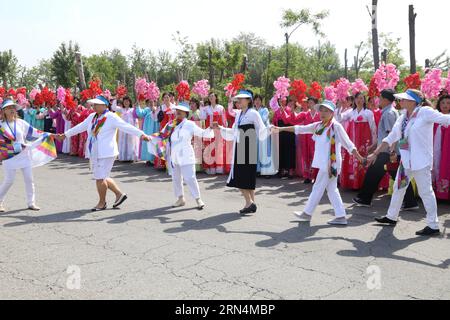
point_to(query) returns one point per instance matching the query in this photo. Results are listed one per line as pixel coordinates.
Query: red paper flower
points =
(373, 89)
(184, 91)
(299, 89)
(12, 93)
(48, 97)
(315, 91)
(2, 92)
(413, 81)
(22, 91)
(69, 103)
(121, 91)
(38, 100)
(236, 85)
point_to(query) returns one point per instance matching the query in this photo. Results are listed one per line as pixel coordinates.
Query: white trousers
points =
(324, 183)
(188, 175)
(8, 181)
(426, 192)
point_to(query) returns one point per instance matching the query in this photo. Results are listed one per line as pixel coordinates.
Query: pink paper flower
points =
(387, 77)
(342, 89)
(34, 93)
(141, 87)
(22, 101)
(330, 94)
(432, 84)
(153, 92)
(282, 87)
(447, 83)
(201, 88)
(60, 94)
(359, 86)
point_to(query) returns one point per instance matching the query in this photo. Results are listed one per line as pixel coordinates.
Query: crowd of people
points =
(397, 142)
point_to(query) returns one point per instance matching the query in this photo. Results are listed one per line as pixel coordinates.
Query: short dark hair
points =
(215, 95)
(258, 96)
(194, 100)
(127, 98)
(356, 96)
(441, 98)
(316, 101)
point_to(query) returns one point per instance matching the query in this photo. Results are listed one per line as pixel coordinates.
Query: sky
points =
(33, 29)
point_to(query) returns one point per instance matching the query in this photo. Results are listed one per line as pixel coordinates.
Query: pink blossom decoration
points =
(359, 86)
(22, 100)
(141, 87)
(153, 92)
(387, 77)
(282, 87)
(342, 89)
(330, 94)
(201, 88)
(432, 84)
(447, 83)
(60, 94)
(34, 93)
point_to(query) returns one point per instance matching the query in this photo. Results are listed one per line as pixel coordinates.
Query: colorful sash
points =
(403, 180)
(97, 124)
(332, 168)
(161, 140)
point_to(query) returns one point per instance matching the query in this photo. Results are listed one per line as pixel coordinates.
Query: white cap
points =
(99, 100)
(182, 107)
(408, 95)
(8, 103)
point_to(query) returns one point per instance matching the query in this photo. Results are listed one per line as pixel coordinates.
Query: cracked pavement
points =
(148, 250)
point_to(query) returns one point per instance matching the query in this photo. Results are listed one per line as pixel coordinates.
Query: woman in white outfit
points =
(414, 133)
(181, 156)
(14, 135)
(128, 144)
(101, 147)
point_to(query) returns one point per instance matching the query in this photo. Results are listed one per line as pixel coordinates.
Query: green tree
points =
(9, 68)
(63, 65)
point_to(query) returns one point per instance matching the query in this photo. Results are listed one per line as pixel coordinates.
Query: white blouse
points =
(322, 149)
(419, 132)
(365, 115)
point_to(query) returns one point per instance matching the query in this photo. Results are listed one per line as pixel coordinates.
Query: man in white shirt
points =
(101, 147)
(330, 137)
(414, 133)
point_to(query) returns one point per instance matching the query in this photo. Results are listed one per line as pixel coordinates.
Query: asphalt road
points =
(147, 250)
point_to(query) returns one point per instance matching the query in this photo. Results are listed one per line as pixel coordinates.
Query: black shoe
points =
(428, 232)
(386, 220)
(307, 181)
(100, 209)
(291, 177)
(362, 203)
(121, 200)
(252, 209)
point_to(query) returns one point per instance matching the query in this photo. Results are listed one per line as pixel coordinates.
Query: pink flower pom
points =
(342, 89)
(447, 83)
(387, 77)
(34, 93)
(432, 84)
(1, 100)
(282, 87)
(22, 101)
(153, 92)
(141, 87)
(201, 88)
(107, 94)
(61, 94)
(359, 86)
(330, 94)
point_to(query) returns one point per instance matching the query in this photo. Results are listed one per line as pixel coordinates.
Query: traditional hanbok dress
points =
(377, 115)
(308, 146)
(281, 119)
(74, 117)
(149, 126)
(128, 144)
(60, 126)
(248, 128)
(29, 115)
(441, 162)
(40, 118)
(266, 162)
(168, 116)
(67, 126)
(82, 138)
(297, 119)
(215, 155)
(197, 142)
(362, 130)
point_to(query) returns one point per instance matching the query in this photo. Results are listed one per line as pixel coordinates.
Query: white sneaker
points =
(200, 204)
(33, 207)
(2, 208)
(338, 222)
(303, 217)
(180, 203)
